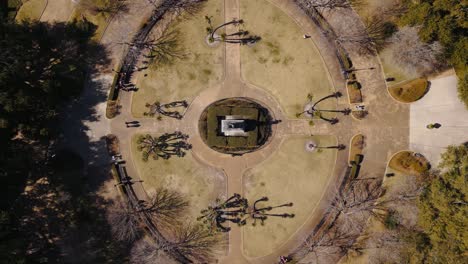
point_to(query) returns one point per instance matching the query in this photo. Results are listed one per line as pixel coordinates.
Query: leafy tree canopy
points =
(445, 21)
(42, 66)
(444, 211)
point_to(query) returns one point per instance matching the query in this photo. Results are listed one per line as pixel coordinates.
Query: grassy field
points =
(199, 183)
(31, 10)
(409, 91)
(184, 79)
(291, 175)
(282, 63)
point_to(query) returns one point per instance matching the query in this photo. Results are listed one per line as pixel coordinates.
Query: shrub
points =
(391, 220)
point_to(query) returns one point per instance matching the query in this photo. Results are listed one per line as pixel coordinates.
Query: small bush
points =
(391, 220)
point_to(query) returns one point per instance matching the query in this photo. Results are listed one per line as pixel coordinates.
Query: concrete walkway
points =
(439, 105)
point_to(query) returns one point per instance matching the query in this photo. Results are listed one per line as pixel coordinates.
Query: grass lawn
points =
(283, 63)
(406, 162)
(290, 175)
(199, 183)
(31, 10)
(185, 78)
(409, 91)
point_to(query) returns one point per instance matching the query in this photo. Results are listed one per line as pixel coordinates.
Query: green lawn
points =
(184, 79)
(291, 174)
(283, 63)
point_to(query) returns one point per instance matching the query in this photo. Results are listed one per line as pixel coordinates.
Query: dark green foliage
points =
(444, 212)
(391, 221)
(443, 21)
(463, 87)
(42, 67)
(257, 118)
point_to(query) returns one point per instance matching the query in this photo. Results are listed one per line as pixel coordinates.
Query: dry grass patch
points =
(184, 79)
(291, 174)
(354, 92)
(283, 63)
(410, 163)
(31, 10)
(410, 91)
(200, 184)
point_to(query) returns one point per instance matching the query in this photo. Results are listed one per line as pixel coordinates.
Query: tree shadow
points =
(60, 216)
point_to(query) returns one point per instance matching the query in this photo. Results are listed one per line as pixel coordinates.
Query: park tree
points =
(372, 36)
(106, 8)
(43, 66)
(125, 222)
(443, 21)
(164, 146)
(146, 251)
(240, 37)
(327, 5)
(165, 207)
(195, 242)
(159, 50)
(410, 54)
(238, 210)
(170, 109)
(312, 109)
(443, 210)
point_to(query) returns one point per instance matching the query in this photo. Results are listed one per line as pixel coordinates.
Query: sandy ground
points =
(185, 78)
(31, 10)
(439, 105)
(291, 175)
(283, 63)
(58, 10)
(199, 183)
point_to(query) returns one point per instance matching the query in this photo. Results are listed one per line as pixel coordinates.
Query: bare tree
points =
(166, 206)
(165, 146)
(161, 50)
(408, 52)
(196, 242)
(372, 36)
(168, 109)
(145, 251)
(124, 221)
(325, 5)
(385, 247)
(358, 200)
(188, 6)
(104, 7)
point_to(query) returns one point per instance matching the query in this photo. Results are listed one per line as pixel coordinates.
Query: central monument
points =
(235, 125)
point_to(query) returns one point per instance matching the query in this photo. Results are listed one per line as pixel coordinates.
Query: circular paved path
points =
(386, 127)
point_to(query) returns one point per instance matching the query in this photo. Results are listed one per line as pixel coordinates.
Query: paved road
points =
(440, 104)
